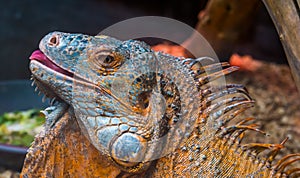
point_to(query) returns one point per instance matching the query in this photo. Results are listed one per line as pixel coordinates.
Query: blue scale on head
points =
(81, 104)
(115, 121)
(90, 105)
(91, 112)
(79, 37)
(99, 111)
(81, 48)
(133, 129)
(76, 54)
(91, 121)
(131, 76)
(74, 43)
(106, 134)
(124, 120)
(123, 127)
(133, 98)
(102, 121)
(131, 123)
(104, 107)
(109, 114)
(84, 41)
(131, 92)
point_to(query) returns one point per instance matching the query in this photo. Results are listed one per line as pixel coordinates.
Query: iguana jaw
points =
(53, 80)
(49, 77)
(40, 57)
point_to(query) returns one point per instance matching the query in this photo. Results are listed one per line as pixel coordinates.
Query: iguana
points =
(123, 110)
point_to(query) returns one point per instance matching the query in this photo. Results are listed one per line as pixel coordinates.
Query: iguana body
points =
(125, 110)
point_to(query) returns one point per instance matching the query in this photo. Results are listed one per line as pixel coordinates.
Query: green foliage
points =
(20, 127)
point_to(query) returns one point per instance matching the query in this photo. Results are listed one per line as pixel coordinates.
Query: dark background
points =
(24, 22)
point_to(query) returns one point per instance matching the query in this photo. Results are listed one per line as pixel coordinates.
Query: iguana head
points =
(124, 98)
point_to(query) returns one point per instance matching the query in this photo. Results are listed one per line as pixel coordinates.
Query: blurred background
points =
(24, 23)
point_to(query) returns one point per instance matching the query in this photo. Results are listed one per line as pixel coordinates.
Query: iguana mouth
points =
(42, 62)
(39, 56)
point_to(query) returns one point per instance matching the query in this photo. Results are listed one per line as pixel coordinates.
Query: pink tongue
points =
(42, 58)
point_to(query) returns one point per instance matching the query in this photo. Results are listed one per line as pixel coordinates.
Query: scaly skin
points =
(145, 113)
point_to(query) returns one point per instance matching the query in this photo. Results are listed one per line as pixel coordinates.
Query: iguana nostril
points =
(54, 41)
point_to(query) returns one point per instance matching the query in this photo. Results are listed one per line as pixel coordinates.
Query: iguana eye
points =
(105, 60)
(108, 59)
